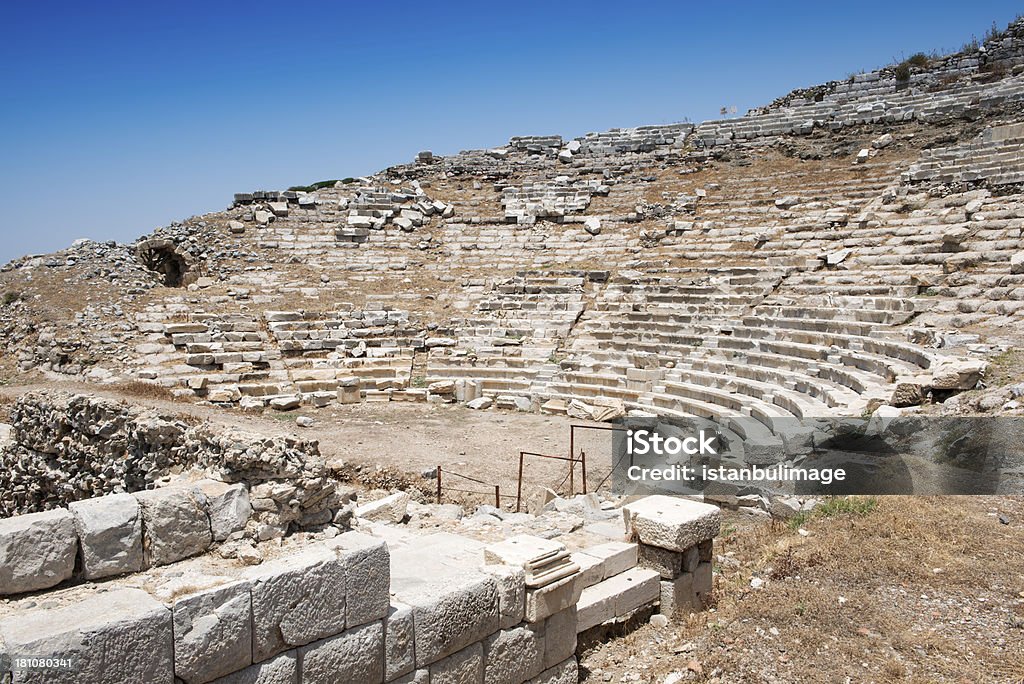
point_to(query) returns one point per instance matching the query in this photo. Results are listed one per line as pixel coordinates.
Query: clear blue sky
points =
(121, 117)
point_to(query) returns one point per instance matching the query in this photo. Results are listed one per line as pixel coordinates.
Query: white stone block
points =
(367, 570)
(560, 636)
(399, 640)
(228, 506)
(174, 525)
(464, 667)
(110, 534)
(212, 632)
(553, 598)
(615, 557)
(566, 672)
(296, 600)
(670, 522)
(355, 656)
(514, 655)
(511, 593)
(281, 669)
(121, 636)
(37, 550)
(390, 509)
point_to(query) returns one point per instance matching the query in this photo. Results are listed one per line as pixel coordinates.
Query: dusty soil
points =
(919, 589)
(408, 438)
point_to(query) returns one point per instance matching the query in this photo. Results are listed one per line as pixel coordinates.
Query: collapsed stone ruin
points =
(852, 249)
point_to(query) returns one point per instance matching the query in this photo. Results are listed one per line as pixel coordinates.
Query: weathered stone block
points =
(175, 525)
(553, 598)
(390, 509)
(212, 633)
(367, 570)
(511, 593)
(566, 672)
(117, 637)
(37, 550)
(417, 677)
(448, 618)
(668, 563)
(514, 655)
(110, 534)
(560, 637)
(463, 667)
(228, 506)
(355, 656)
(399, 641)
(282, 669)
(671, 523)
(615, 557)
(296, 600)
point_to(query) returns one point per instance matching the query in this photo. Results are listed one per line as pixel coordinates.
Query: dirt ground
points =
(412, 438)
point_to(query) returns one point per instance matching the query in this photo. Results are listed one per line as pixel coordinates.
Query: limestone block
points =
(514, 655)
(671, 523)
(282, 669)
(591, 569)
(463, 667)
(367, 572)
(355, 656)
(668, 563)
(228, 506)
(552, 598)
(617, 596)
(615, 557)
(511, 593)
(37, 550)
(1017, 263)
(417, 677)
(677, 596)
(462, 611)
(121, 636)
(296, 600)
(390, 509)
(212, 633)
(175, 524)
(110, 534)
(566, 672)
(560, 636)
(399, 640)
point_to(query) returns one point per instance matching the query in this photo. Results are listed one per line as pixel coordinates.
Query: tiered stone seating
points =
(547, 199)
(995, 157)
(641, 139)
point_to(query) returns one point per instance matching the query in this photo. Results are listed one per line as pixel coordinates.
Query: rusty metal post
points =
(519, 490)
(438, 484)
(572, 455)
(497, 497)
(583, 465)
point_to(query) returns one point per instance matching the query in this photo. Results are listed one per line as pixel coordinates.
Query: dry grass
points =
(143, 390)
(913, 590)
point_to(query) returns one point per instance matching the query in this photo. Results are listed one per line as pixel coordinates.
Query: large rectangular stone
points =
(514, 655)
(227, 505)
(296, 600)
(121, 636)
(355, 656)
(281, 669)
(615, 557)
(668, 563)
(553, 598)
(560, 637)
(175, 524)
(566, 672)
(110, 534)
(212, 632)
(511, 593)
(399, 641)
(464, 667)
(37, 550)
(671, 522)
(617, 596)
(367, 569)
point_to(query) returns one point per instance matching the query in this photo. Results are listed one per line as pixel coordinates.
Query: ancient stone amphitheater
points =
(850, 248)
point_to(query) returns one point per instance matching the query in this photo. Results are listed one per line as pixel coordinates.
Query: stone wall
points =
(67, 448)
(358, 609)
